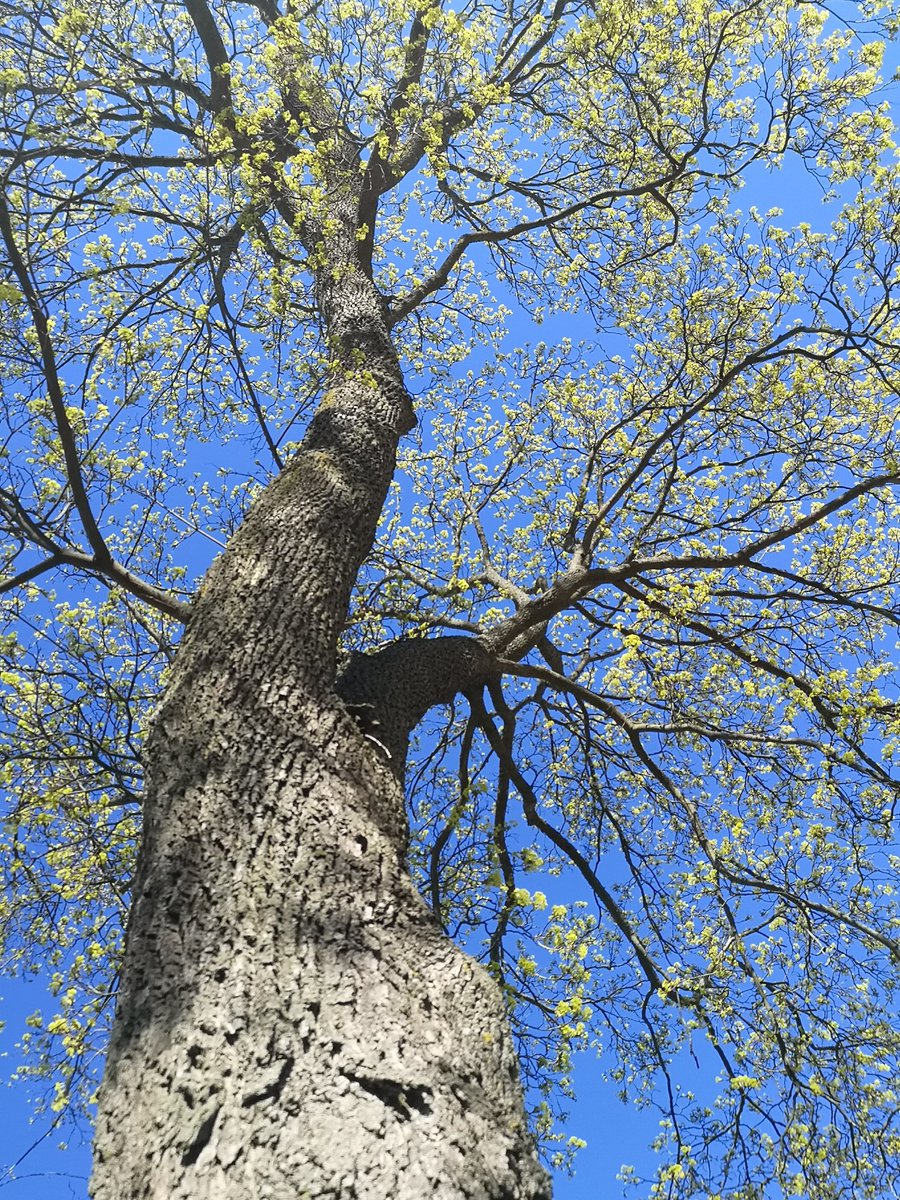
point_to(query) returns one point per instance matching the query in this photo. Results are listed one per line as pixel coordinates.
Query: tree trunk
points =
(292, 1022)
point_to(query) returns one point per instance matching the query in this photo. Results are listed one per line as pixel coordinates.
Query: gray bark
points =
(292, 1022)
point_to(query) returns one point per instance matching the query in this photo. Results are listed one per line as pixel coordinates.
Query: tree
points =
(629, 592)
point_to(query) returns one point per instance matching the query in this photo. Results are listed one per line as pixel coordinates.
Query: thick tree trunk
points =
(292, 1023)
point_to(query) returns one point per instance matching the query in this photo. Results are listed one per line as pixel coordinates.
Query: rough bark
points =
(292, 1023)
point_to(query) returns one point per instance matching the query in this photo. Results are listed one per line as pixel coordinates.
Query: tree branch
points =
(536, 821)
(578, 582)
(744, 557)
(741, 877)
(397, 685)
(54, 389)
(216, 55)
(404, 305)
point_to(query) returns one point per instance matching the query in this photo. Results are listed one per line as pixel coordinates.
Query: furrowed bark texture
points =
(292, 1023)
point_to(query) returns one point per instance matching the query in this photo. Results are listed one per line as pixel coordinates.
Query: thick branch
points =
(579, 581)
(390, 691)
(113, 574)
(101, 561)
(214, 49)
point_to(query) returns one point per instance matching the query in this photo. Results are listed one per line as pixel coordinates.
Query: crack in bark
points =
(273, 1088)
(395, 1095)
(201, 1137)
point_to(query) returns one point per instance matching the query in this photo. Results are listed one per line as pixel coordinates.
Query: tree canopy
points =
(640, 264)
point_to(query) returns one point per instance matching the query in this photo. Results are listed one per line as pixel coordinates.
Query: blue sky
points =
(46, 1172)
